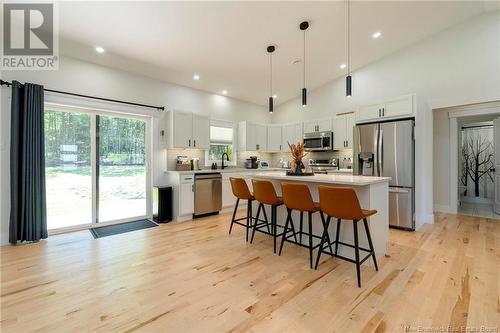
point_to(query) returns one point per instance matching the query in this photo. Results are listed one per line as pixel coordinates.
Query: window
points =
(221, 141)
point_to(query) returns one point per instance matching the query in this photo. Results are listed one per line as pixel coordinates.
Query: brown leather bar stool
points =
(265, 194)
(241, 192)
(343, 204)
(297, 197)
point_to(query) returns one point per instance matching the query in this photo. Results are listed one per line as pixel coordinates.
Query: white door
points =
(310, 126)
(186, 199)
(274, 138)
(368, 112)
(349, 124)
(496, 142)
(398, 107)
(201, 132)
(324, 124)
(183, 130)
(292, 133)
(261, 137)
(339, 132)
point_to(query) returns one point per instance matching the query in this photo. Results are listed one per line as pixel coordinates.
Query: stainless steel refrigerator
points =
(388, 149)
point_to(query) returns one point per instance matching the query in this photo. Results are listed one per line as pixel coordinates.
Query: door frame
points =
(455, 112)
(148, 164)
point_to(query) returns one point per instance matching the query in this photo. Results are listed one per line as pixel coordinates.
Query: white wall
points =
(458, 66)
(86, 78)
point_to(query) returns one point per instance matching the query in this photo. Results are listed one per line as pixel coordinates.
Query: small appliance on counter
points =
(182, 163)
(195, 163)
(263, 165)
(252, 162)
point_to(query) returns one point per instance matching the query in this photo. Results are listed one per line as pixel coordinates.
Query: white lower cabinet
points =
(186, 198)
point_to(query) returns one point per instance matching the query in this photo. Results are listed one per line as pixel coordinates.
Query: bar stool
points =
(343, 204)
(241, 192)
(297, 197)
(265, 194)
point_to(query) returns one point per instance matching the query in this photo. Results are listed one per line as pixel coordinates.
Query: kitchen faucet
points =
(227, 159)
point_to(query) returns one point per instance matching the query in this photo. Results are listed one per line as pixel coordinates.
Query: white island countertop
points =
(338, 179)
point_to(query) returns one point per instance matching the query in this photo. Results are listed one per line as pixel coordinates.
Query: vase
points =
(298, 167)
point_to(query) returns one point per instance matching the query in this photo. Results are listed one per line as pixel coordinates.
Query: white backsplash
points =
(272, 158)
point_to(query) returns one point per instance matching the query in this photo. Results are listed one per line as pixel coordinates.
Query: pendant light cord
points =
(304, 58)
(271, 75)
(348, 37)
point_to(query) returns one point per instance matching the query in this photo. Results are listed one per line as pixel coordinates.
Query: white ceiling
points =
(225, 42)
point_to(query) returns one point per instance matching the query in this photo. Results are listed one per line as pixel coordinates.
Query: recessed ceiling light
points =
(99, 49)
(275, 96)
(343, 66)
(224, 92)
(377, 34)
(196, 77)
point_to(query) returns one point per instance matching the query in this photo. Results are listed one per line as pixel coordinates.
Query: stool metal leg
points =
(337, 234)
(249, 218)
(356, 252)
(370, 243)
(301, 226)
(273, 226)
(309, 216)
(255, 224)
(265, 218)
(327, 234)
(234, 215)
(288, 219)
(323, 239)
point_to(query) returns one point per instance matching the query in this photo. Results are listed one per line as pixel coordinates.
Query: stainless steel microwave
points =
(318, 141)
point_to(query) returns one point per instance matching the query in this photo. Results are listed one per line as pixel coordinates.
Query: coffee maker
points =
(251, 162)
(365, 163)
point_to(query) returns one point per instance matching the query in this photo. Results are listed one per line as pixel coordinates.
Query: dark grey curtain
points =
(28, 218)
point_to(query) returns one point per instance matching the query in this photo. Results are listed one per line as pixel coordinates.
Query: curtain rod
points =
(8, 84)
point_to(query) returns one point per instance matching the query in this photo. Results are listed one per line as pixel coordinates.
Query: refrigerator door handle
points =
(376, 167)
(380, 153)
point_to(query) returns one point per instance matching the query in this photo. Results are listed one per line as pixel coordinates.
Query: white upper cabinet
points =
(188, 130)
(201, 132)
(343, 126)
(252, 136)
(318, 125)
(292, 133)
(274, 138)
(181, 129)
(399, 107)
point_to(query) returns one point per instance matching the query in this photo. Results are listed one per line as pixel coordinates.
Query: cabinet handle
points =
(280, 147)
(383, 112)
(189, 142)
(379, 112)
(192, 187)
(194, 143)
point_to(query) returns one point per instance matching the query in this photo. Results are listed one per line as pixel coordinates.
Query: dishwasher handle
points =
(208, 176)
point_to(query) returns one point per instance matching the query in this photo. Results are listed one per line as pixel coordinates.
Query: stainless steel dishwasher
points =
(207, 193)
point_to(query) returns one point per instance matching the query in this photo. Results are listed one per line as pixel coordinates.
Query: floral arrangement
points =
(298, 153)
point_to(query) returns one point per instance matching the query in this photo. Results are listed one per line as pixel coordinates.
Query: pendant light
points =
(303, 26)
(270, 50)
(348, 79)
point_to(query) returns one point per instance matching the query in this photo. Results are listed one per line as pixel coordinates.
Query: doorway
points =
(476, 166)
(97, 167)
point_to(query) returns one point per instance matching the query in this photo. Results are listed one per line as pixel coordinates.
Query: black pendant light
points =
(270, 50)
(303, 26)
(348, 79)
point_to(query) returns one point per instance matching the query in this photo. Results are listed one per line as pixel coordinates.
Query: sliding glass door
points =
(97, 167)
(68, 168)
(121, 168)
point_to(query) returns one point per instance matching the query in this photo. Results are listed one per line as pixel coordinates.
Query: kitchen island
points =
(373, 193)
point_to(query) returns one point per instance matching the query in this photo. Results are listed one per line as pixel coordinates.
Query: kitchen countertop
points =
(227, 170)
(341, 171)
(338, 179)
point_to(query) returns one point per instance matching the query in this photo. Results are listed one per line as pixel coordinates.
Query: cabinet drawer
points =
(187, 179)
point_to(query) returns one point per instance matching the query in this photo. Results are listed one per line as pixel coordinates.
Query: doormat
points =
(121, 228)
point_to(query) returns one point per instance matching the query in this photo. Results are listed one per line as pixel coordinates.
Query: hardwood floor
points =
(194, 277)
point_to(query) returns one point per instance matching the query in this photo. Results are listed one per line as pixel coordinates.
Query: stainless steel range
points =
(323, 166)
